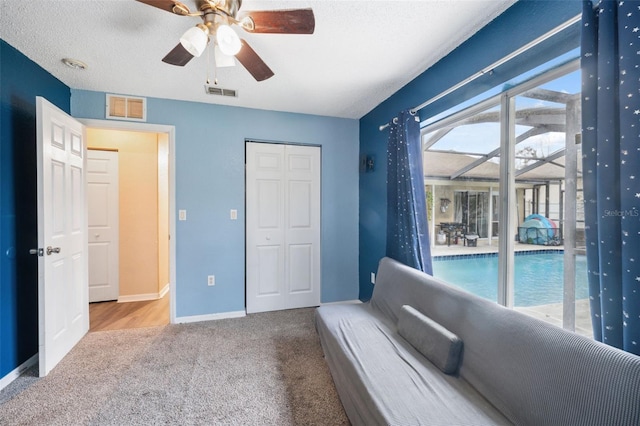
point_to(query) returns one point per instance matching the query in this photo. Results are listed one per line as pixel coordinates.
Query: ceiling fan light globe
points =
(194, 41)
(228, 41)
(222, 60)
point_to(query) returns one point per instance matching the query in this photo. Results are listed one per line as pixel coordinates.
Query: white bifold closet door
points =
(282, 226)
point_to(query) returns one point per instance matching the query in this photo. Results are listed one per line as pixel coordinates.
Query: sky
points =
(484, 137)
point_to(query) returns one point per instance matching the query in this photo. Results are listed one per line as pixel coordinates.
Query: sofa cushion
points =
(436, 343)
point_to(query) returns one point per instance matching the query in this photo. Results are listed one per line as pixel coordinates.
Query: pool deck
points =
(551, 313)
(484, 247)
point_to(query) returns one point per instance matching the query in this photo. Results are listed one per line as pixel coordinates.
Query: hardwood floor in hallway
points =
(119, 316)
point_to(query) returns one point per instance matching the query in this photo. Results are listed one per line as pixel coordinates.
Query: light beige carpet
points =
(264, 369)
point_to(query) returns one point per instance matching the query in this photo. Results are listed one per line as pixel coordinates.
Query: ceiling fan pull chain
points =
(208, 63)
(215, 68)
(215, 65)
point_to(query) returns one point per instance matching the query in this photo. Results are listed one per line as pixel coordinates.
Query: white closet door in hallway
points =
(103, 206)
(282, 226)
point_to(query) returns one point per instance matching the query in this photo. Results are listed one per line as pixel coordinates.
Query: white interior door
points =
(283, 227)
(62, 234)
(103, 212)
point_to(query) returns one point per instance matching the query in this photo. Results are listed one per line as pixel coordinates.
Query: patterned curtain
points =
(611, 168)
(407, 228)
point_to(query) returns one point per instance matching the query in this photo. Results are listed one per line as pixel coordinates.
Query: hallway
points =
(119, 316)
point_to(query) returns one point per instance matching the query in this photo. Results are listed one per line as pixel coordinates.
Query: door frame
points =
(171, 132)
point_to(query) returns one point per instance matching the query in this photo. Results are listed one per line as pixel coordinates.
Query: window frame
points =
(507, 183)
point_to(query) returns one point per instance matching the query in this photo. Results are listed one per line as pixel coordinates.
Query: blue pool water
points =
(538, 276)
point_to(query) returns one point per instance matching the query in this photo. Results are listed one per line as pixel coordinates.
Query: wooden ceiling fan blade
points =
(178, 56)
(253, 63)
(169, 5)
(287, 21)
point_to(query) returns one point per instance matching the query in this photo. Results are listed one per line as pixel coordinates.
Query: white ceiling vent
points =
(215, 90)
(126, 108)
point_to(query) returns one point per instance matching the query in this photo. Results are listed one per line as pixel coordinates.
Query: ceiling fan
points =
(217, 18)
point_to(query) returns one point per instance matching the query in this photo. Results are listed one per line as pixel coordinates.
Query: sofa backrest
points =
(533, 372)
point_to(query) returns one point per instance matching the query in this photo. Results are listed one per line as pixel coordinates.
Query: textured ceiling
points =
(361, 52)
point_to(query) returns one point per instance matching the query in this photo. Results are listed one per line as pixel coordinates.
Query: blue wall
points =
(210, 143)
(21, 80)
(523, 22)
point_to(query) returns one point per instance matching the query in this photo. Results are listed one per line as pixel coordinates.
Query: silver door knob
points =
(37, 252)
(51, 250)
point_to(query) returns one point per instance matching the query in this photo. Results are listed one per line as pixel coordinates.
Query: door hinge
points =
(38, 251)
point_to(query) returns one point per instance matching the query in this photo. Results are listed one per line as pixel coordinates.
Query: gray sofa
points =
(503, 367)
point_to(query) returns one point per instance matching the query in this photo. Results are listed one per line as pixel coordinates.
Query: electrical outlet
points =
(373, 278)
(211, 280)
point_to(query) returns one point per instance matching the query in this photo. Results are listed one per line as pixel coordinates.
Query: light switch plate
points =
(233, 214)
(182, 215)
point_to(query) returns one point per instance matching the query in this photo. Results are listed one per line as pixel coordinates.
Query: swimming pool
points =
(538, 276)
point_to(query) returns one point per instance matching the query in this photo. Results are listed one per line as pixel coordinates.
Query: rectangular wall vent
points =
(126, 108)
(214, 90)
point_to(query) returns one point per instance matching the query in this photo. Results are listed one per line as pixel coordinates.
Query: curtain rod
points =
(490, 68)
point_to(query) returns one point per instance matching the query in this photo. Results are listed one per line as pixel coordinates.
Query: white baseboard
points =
(164, 291)
(210, 317)
(343, 302)
(143, 297)
(10, 377)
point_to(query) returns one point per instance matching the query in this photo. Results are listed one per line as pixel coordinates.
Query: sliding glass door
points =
(472, 210)
(527, 140)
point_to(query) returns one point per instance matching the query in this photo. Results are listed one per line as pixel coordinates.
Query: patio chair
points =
(471, 240)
